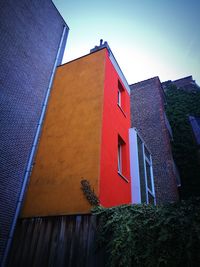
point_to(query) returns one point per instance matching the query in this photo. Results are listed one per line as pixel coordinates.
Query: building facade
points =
(85, 136)
(32, 41)
(148, 116)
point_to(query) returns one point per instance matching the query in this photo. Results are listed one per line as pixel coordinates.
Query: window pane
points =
(119, 159)
(148, 172)
(141, 170)
(119, 98)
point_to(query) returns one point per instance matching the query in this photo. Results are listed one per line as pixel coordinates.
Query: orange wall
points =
(69, 147)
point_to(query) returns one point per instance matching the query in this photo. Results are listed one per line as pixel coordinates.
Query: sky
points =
(147, 37)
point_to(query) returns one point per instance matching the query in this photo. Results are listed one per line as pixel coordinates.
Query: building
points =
(32, 40)
(195, 125)
(148, 116)
(85, 135)
(186, 83)
(183, 98)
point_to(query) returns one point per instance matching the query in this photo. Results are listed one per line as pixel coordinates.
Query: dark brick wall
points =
(30, 33)
(183, 81)
(147, 115)
(186, 84)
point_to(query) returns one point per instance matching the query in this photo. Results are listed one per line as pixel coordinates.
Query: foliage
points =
(146, 235)
(89, 193)
(180, 104)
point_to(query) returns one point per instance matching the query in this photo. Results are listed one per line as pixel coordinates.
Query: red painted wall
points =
(114, 190)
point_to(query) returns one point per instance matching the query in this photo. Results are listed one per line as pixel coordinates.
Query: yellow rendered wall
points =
(69, 148)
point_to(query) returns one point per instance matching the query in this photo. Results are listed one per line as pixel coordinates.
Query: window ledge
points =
(122, 176)
(122, 110)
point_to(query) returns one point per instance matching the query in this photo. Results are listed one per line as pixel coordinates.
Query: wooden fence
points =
(56, 241)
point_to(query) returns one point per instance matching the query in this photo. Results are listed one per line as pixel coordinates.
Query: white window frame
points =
(149, 161)
(135, 170)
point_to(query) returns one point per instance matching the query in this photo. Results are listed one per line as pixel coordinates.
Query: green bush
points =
(145, 235)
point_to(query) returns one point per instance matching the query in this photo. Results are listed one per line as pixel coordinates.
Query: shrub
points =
(146, 235)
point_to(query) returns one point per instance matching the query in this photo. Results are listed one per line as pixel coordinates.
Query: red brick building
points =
(148, 116)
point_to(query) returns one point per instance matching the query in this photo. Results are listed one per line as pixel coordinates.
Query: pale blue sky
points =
(147, 37)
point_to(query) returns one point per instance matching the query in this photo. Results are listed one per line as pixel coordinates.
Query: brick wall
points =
(147, 115)
(186, 84)
(183, 81)
(30, 33)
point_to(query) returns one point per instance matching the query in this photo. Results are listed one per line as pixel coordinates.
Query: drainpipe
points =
(33, 149)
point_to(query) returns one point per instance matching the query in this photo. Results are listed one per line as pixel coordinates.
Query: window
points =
(121, 97)
(146, 173)
(120, 152)
(141, 170)
(121, 158)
